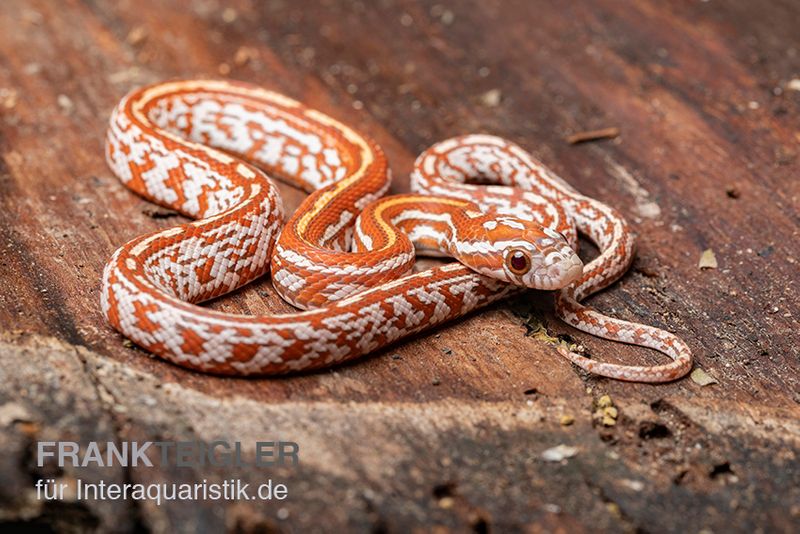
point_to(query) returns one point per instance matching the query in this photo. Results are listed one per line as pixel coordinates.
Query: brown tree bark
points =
(448, 429)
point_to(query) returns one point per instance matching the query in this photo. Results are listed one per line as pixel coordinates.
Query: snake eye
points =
(518, 261)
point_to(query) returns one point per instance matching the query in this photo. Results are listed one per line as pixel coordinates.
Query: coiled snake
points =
(204, 148)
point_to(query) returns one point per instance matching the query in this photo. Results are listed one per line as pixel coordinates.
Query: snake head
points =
(519, 252)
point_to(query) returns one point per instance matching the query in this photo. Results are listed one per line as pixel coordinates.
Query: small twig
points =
(593, 135)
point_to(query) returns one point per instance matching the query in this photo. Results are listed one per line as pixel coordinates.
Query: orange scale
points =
(143, 322)
(192, 342)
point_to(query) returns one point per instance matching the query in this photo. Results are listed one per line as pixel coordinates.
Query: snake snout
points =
(570, 269)
(560, 268)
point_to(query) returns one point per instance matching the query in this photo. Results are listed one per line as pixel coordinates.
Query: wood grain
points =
(439, 430)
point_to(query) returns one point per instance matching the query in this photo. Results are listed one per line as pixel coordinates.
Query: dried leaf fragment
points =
(707, 260)
(702, 378)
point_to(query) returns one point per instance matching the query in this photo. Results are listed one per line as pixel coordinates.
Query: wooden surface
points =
(449, 429)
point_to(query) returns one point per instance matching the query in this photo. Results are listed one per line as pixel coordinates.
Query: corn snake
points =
(345, 255)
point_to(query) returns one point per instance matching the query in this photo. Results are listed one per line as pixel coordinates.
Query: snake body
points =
(205, 148)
